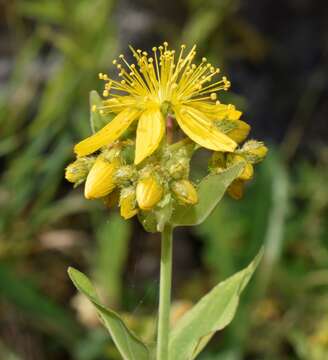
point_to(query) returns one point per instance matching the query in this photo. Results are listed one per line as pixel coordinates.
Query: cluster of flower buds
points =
(113, 176)
(252, 152)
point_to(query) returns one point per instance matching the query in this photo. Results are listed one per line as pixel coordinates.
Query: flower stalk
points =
(165, 294)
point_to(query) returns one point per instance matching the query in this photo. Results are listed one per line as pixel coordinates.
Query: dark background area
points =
(275, 54)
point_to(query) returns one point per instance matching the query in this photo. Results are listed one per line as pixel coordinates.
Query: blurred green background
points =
(275, 54)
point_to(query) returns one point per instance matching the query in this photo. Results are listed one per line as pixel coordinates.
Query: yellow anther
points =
(204, 59)
(213, 96)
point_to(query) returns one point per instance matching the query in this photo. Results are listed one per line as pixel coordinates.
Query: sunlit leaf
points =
(130, 347)
(212, 313)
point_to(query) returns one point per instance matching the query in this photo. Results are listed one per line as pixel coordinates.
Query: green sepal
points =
(97, 121)
(212, 313)
(129, 346)
(210, 191)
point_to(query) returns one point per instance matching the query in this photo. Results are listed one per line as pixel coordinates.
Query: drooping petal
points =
(217, 111)
(202, 130)
(150, 131)
(111, 132)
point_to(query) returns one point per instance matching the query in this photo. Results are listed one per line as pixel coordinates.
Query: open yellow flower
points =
(162, 81)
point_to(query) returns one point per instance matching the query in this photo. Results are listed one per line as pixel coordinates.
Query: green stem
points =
(165, 294)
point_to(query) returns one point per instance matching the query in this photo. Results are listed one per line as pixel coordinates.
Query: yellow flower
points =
(100, 180)
(128, 203)
(149, 192)
(185, 192)
(162, 82)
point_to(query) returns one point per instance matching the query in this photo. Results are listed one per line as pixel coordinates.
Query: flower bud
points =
(149, 192)
(254, 151)
(236, 189)
(125, 174)
(179, 169)
(185, 192)
(100, 180)
(128, 203)
(77, 171)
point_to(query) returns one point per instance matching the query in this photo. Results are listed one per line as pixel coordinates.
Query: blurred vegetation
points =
(51, 53)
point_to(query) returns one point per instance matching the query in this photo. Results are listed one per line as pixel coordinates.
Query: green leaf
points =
(212, 313)
(210, 191)
(129, 346)
(110, 257)
(97, 121)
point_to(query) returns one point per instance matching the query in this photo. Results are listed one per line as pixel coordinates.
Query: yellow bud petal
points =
(185, 192)
(77, 171)
(128, 203)
(100, 180)
(240, 132)
(236, 189)
(149, 192)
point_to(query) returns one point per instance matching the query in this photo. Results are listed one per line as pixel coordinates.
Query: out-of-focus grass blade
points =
(46, 315)
(111, 253)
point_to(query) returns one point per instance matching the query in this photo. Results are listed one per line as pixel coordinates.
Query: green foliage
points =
(130, 347)
(212, 313)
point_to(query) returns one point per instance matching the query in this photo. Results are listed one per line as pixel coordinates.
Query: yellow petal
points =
(217, 111)
(111, 132)
(202, 130)
(150, 131)
(118, 104)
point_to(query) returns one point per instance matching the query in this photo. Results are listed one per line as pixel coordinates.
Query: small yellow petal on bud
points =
(185, 192)
(128, 204)
(77, 171)
(236, 189)
(149, 192)
(247, 173)
(100, 181)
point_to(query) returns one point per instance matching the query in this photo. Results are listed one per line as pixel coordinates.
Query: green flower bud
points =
(254, 151)
(77, 171)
